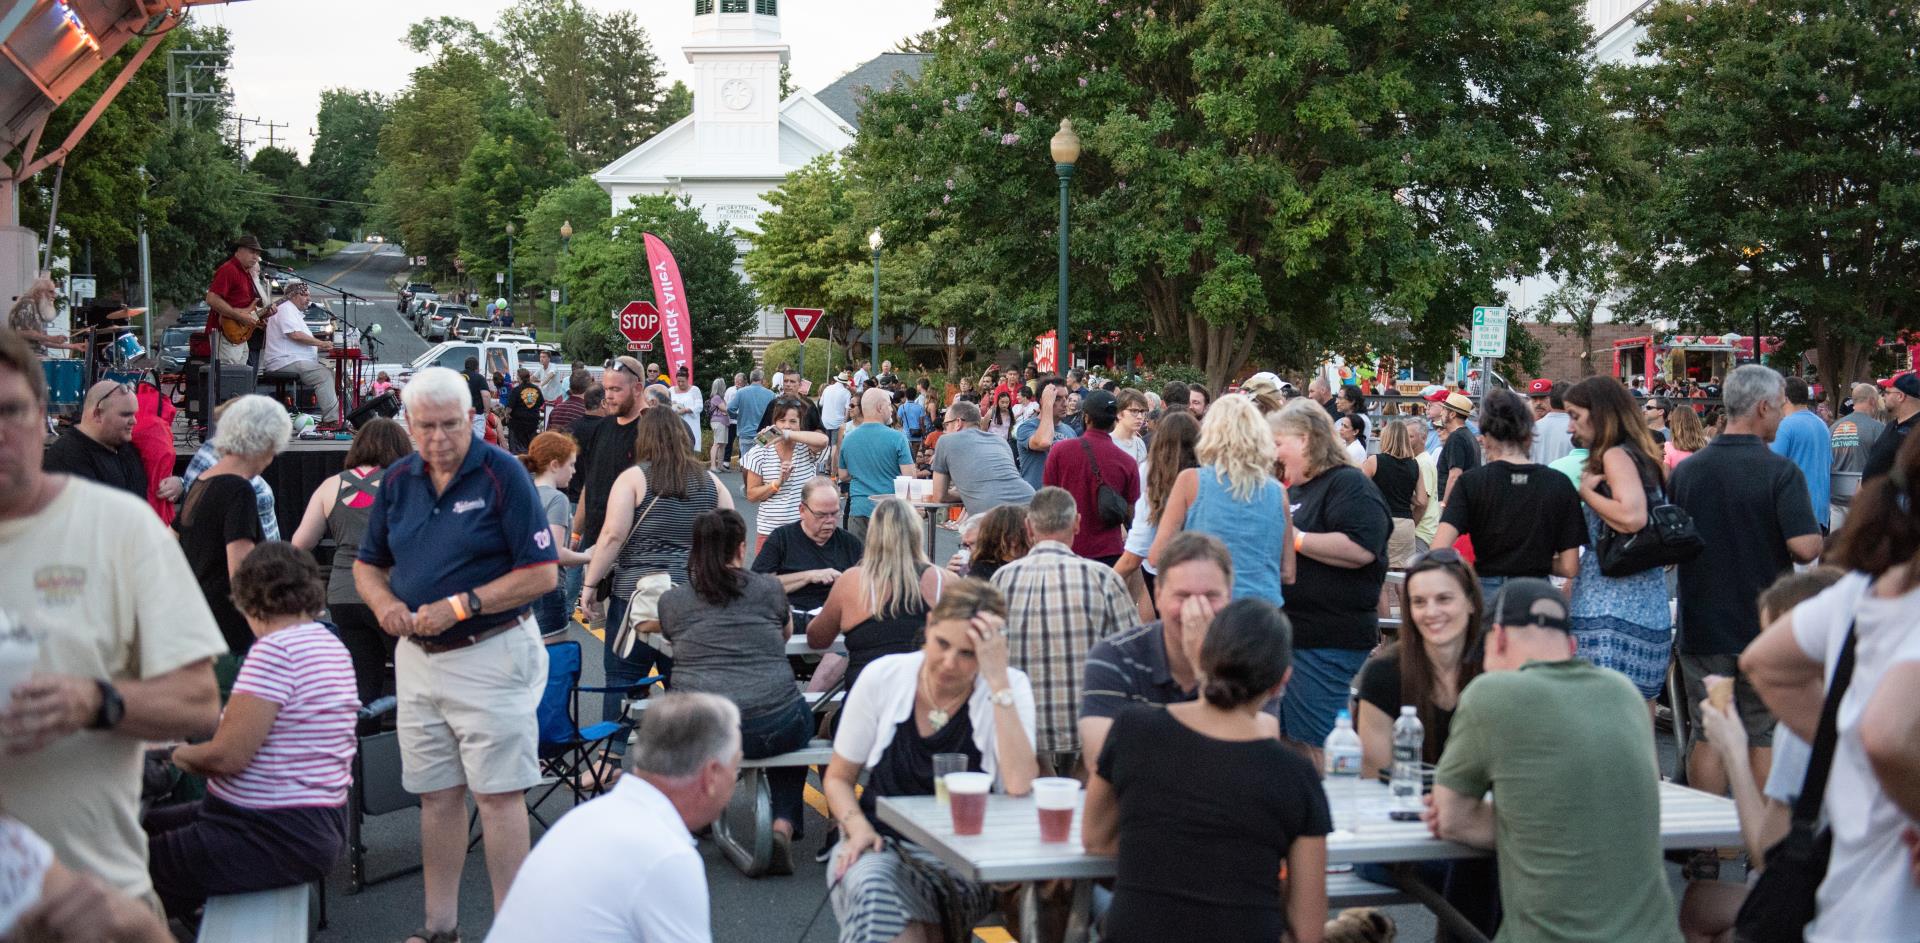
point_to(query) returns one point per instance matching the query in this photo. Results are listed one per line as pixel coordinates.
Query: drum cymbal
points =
(104, 329)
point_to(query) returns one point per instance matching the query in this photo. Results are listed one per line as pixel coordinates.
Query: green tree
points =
(1260, 177)
(595, 75)
(434, 123)
(346, 154)
(1779, 135)
(285, 214)
(607, 268)
(513, 162)
(208, 201)
(676, 105)
(536, 251)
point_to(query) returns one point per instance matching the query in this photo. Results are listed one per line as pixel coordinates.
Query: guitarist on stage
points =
(238, 305)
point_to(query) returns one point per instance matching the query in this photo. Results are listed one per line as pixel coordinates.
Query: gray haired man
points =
(624, 866)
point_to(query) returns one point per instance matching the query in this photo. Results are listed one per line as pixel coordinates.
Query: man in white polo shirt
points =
(624, 867)
(291, 348)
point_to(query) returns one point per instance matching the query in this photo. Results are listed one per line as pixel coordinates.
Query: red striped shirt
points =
(305, 761)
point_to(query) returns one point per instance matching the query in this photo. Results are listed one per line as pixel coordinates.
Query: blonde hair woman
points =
(1234, 496)
(1685, 435)
(1395, 470)
(881, 604)
(1340, 536)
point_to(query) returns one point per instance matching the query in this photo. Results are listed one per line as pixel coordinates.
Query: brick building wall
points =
(1561, 349)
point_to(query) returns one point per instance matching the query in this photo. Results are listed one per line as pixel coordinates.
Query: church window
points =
(767, 7)
(702, 7)
(733, 6)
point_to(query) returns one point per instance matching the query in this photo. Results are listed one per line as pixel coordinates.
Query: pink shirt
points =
(306, 758)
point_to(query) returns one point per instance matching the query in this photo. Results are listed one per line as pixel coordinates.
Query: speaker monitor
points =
(386, 404)
(235, 380)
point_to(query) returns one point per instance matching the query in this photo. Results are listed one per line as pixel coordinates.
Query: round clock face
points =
(736, 94)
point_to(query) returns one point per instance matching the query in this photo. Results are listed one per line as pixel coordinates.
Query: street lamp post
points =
(566, 238)
(1066, 150)
(510, 266)
(873, 336)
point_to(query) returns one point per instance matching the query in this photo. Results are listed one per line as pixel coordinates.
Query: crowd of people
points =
(1175, 596)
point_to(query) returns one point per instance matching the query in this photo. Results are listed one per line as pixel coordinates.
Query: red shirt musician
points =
(237, 303)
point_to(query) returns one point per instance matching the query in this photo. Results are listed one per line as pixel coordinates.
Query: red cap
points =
(1540, 387)
(1883, 382)
(1436, 394)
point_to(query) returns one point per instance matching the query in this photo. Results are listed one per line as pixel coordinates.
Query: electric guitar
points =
(238, 332)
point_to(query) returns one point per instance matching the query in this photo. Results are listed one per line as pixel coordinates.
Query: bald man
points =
(100, 446)
(871, 455)
(1854, 436)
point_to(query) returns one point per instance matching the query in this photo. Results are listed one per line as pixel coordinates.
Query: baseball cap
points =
(1100, 404)
(1540, 387)
(1459, 403)
(1908, 383)
(1433, 394)
(1528, 602)
(1262, 382)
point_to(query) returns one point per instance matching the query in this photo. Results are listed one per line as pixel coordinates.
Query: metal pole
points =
(510, 272)
(873, 332)
(563, 290)
(146, 285)
(1063, 360)
(1486, 383)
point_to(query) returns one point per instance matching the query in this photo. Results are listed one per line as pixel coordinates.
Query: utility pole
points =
(270, 126)
(187, 91)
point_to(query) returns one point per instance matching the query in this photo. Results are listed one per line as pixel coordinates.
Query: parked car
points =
(471, 328)
(439, 323)
(276, 282)
(494, 355)
(174, 344)
(411, 291)
(193, 317)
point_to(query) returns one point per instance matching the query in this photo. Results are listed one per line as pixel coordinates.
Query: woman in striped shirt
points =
(277, 769)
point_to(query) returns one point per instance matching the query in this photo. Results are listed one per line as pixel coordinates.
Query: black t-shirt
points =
(1460, 451)
(1228, 811)
(602, 458)
(1379, 685)
(1746, 502)
(790, 550)
(76, 453)
(218, 511)
(524, 406)
(1396, 478)
(1519, 516)
(476, 385)
(1887, 447)
(582, 430)
(1332, 606)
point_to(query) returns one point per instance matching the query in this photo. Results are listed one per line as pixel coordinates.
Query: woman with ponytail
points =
(1207, 783)
(550, 459)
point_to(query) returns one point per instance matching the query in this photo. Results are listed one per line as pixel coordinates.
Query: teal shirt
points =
(1568, 753)
(1571, 465)
(872, 455)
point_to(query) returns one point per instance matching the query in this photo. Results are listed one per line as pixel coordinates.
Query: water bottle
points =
(1342, 751)
(1409, 739)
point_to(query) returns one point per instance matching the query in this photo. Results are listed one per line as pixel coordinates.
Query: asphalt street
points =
(368, 270)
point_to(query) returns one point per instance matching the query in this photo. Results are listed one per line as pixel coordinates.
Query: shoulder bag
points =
(1783, 900)
(1669, 536)
(1112, 508)
(642, 618)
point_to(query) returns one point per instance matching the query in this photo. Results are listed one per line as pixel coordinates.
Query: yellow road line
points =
(818, 802)
(993, 935)
(340, 274)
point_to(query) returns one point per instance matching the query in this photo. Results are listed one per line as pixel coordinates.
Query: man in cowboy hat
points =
(235, 296)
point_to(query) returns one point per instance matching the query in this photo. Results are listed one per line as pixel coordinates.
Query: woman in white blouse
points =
(955, 695)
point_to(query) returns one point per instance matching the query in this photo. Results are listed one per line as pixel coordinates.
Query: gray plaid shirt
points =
(1058, 606)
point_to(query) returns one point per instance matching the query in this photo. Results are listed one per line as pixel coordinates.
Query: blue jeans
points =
(1322, 682)
(550, 611)
(570, 578)
(1490, 587)
(781, 731)
(626, 672)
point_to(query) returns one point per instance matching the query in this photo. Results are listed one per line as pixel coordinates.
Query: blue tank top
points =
(1251, 530)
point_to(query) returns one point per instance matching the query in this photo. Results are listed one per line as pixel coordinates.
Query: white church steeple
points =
(736, 55)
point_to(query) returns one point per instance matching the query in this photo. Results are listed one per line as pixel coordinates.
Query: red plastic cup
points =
(967, 798)
(1056, 797)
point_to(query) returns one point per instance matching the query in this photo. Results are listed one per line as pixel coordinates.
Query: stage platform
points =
(294, 474)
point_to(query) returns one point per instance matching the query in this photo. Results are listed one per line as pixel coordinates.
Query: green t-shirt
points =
(1567, 750)
(1571, 465)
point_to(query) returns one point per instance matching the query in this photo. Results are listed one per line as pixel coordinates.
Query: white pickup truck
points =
(498, 352)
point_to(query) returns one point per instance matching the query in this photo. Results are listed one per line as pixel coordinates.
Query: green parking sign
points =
(1489, 332)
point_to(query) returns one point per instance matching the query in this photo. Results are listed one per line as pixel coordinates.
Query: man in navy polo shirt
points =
(455, 549)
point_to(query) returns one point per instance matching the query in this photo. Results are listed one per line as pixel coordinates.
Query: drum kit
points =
(114, 352)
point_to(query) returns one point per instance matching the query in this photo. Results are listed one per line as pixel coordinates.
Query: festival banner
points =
(676, 324)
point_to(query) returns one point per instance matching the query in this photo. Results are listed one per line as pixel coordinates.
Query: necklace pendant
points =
(938, 718)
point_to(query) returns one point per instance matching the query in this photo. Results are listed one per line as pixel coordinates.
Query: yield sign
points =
(640, 322)
(803, 321)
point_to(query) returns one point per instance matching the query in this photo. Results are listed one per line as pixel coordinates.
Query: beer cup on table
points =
(944, 763)
(1056, 797)
(967, 800)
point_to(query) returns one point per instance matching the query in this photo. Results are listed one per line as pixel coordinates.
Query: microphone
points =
(275, 266)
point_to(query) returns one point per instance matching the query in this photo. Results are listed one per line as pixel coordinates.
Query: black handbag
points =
(1112, 508)
(1783, 901)
(1669, 536)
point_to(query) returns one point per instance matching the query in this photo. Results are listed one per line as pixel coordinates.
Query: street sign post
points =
(803, 321)
(640, 324)
(1489, 343)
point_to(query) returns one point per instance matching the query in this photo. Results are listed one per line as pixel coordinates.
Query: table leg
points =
(928, 514)
(1408, 881)
(1079, 922)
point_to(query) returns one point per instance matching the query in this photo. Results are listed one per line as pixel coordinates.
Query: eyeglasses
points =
(1135, 411)
(1651, 407)
(621, 365)
(1444, 556)
(819, 513)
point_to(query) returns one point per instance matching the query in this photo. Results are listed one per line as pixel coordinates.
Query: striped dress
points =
(305, 760)
(662, 534)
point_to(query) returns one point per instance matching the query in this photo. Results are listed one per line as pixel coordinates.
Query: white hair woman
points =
(1234, 496)
(218, 523)
(1340, 536)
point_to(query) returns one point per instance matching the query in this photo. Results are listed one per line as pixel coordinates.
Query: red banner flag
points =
(676, 325)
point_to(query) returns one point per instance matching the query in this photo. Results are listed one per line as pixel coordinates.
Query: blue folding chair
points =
(567, 750)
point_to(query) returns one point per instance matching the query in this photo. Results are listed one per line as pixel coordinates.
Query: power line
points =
(314, 199)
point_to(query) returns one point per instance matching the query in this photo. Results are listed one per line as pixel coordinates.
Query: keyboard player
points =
(292, 349)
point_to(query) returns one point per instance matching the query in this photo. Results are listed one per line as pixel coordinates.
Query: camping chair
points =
(566, 750)
(376, 790)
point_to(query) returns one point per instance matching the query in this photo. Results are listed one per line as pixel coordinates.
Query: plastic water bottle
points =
(1342, 751)
(1409, 740)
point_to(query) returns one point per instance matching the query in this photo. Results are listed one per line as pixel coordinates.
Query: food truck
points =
(1639, 362)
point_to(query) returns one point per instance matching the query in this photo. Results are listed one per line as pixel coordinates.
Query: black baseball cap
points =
(1099, 404)
(1527, 602)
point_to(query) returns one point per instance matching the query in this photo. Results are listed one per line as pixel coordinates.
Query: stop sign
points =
(640, 323)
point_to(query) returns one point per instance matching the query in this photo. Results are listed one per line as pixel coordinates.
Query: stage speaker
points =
(386, 404)
(235, 380)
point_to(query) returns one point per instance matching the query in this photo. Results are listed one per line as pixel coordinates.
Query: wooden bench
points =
(749, 844)
(276, 916)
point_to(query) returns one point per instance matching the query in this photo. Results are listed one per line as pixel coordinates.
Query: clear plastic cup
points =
(967, 800)
(19, 656)
(944, 763)
(1056, 798)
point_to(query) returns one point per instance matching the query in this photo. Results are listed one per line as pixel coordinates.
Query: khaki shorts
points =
(1746, 701)
(467, 717)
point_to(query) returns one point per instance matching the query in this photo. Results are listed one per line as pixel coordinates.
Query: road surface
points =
(368, 270)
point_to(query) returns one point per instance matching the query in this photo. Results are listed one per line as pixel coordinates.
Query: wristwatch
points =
(1002, 697)
(473, 603)
(112, 708)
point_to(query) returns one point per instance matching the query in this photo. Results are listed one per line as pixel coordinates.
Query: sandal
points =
(434, 936)
(598, 776)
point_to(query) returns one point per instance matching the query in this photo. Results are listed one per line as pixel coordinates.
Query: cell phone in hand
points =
(767, 435)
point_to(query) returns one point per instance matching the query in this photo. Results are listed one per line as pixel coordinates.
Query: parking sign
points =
(1489, 332)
